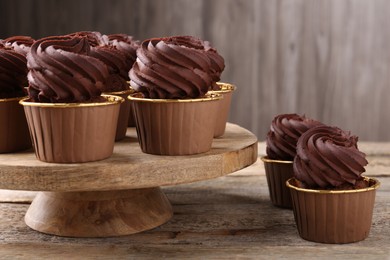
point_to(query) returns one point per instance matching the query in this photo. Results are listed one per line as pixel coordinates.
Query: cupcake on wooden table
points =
(118, 63)
(69, 120)
(13, 80)
(173, 114)
(281, 142)
(332, 201)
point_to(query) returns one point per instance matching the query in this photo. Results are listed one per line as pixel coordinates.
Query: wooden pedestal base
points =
(98, 213)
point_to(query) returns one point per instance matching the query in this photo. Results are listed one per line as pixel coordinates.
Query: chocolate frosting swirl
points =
(127, 45)
(284, 133)
(328, 157)
(217, 64)
(20, 44)
(13, 73)
(171, 68)
(94, 38)
(61, 71)
(117, 67)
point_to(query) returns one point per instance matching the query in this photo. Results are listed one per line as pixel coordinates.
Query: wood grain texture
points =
(98, 213)
(327, 59)
(225, 218)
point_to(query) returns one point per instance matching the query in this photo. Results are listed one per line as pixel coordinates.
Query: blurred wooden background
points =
(327, 59)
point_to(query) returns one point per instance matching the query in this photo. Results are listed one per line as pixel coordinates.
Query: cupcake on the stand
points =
(225, 89)
(332, 201)
(69, 120)
(118, 62)
(128, 46)
(281, 142)
(173, 113)
(13, 80)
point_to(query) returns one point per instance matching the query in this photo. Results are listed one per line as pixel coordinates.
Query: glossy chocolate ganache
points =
(13, 73)
(284, 133)
(327, 158)
(61, 71)
(173, 68)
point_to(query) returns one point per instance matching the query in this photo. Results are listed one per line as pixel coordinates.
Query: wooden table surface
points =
(227, 217)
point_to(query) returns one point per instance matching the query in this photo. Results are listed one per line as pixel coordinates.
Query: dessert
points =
(281, 142)
(172, 68)
(226, 90)
(328, 158)
(128, 46)
(284, 134)
(20, 44)
(13, 80)
(173, 114)
(69, 120)
(332, 201)
(117, 55)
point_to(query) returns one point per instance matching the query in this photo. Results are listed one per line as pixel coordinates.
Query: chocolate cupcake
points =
(281, 142)
(116, 56)
(128, 46)
(332, 201)
(69, 120)
(13, 79)
(173, 114)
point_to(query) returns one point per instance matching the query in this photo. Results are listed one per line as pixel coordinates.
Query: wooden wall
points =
(327, 59)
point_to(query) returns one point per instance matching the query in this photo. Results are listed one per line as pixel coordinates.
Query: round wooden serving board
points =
(119, 195)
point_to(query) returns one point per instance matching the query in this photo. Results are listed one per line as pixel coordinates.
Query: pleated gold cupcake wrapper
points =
(14, 134)
(277, 173)
(334, 217)
(73, 133)
(224, 107)
(124, 112)
(175, 127)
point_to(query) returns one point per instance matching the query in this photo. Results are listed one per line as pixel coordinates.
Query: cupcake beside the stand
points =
(332, 201)
(281, 142)
(68, 119)
(13, 80)
(173, 113)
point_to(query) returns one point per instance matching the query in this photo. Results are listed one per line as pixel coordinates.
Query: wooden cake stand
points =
(119, 195)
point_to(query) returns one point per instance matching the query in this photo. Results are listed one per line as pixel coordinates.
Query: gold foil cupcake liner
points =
(175, 126)
(73, 132)
(13, 126)
(333, 216)
(124, 112)
(224, 107)
(277, 173)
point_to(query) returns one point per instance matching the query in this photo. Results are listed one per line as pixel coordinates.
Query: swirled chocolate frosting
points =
(328, 157)
(217, 64)
(13, 73)
(117, 67)
(20, 44)
(94, 38)
(284, 133)
(61, 71)
(172, 68)
(127, 45)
